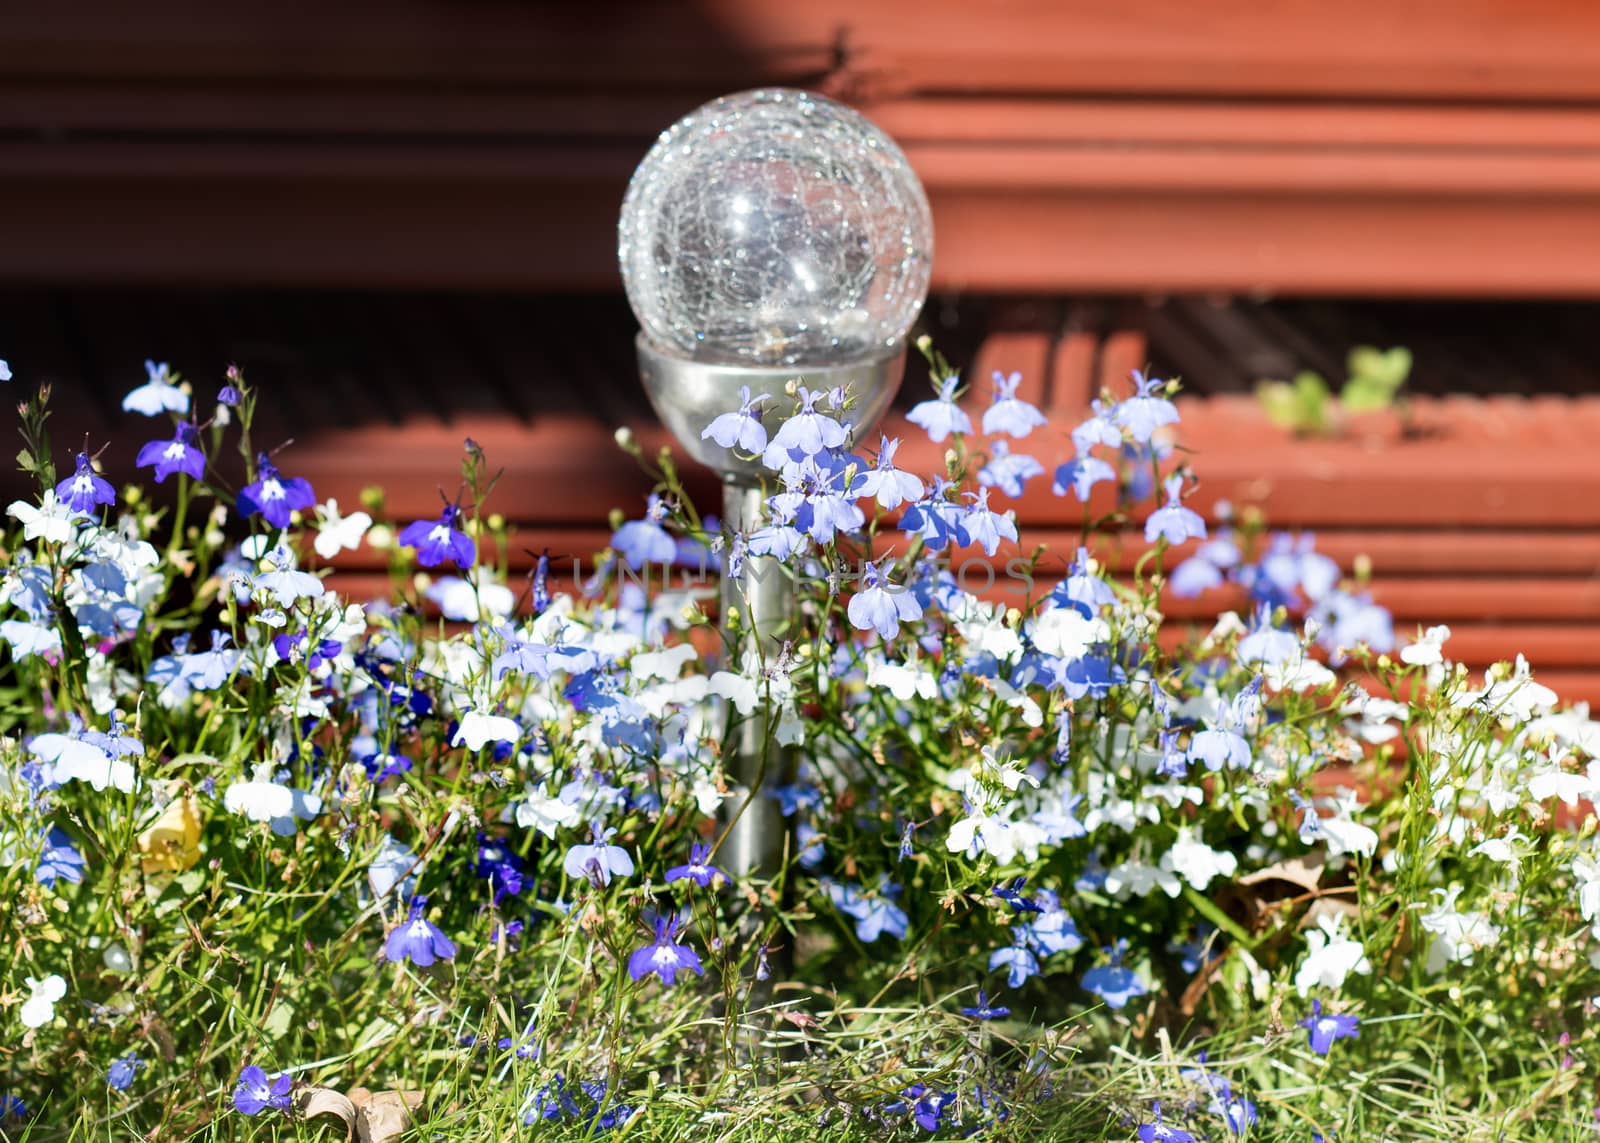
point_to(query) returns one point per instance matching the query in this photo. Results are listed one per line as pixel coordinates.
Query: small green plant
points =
(1307, 405)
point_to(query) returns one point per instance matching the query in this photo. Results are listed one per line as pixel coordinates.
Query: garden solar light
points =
(769, 239)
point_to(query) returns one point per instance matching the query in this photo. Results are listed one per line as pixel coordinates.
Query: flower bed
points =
(1053, 870)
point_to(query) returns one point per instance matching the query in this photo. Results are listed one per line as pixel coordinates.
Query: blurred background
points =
(399, 220)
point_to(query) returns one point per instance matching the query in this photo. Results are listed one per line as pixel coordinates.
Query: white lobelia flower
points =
(40, 1008)
(1196, 862)
(982, 832)
(1458, 935)
(1330, 957)
(543, 812)
(903, 680)
(70, 759)
(664, 664)
(50, 520)
(1428, 650)
(1343, 833)
(1067, 633)
(740, 690)
(1140, 880)
(336, 533)
(478, 730)
(263, 800)
(1008, 772)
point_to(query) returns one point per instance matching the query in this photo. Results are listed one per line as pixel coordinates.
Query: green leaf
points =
(1375, 377)
(1300, 405)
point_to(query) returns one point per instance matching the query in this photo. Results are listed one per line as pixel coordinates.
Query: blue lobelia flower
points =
(887, 484)
(275, 498)
(177, 455)
(418, 939)
(1325, 1029)
(1100, 429)
(664, 956)
(986, 527)
(698, 869)
(641, 542)
(256, 1093)
(121, 1074)
(157, 395)
(439, 540)
(1083, 589)
(804, 434)
(1194, 576)
(284, 583)
(742, 429)
(936, 518)
(1114, 983)
(881, 606)
(1159, 1132)
(60, 860)
(983, 1010)
(1265, 643)
(1080, 475)
(599, 862)
(941, 416)
(84, 489)
(1018, 960)
(1172, 521)
(1008, 471)
(1147, 410)
(1009, 413)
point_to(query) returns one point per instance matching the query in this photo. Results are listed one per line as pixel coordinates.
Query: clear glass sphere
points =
(775, 227)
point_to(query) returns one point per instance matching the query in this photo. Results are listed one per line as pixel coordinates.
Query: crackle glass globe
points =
(775, 227)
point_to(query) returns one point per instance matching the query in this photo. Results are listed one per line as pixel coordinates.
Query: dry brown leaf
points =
(384, 1116)
(315, 1101)
(1303, 872)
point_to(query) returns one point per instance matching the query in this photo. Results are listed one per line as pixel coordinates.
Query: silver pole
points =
(758, 606)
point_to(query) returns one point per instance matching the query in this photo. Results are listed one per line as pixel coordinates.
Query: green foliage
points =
(1307, 405)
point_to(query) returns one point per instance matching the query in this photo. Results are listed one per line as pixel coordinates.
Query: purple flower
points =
(983, 1010)
(1326, 1029)
(418, 939)
(642, 542)
(1012, 895)
(875, 914)
(83, 489)
(889, 485)
(1008, 471)
(255, 1094)
(941, 416)
(230, 396)
(273, 497)
(1159, 1132)
(1009, 413)
(699, 869)
(439, 540)
(743, 428)
(1145, 412)
(121, 1074)
(1080, 475)
(1173, 522)
(880, 606)
(664, 956)
(177, 455)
